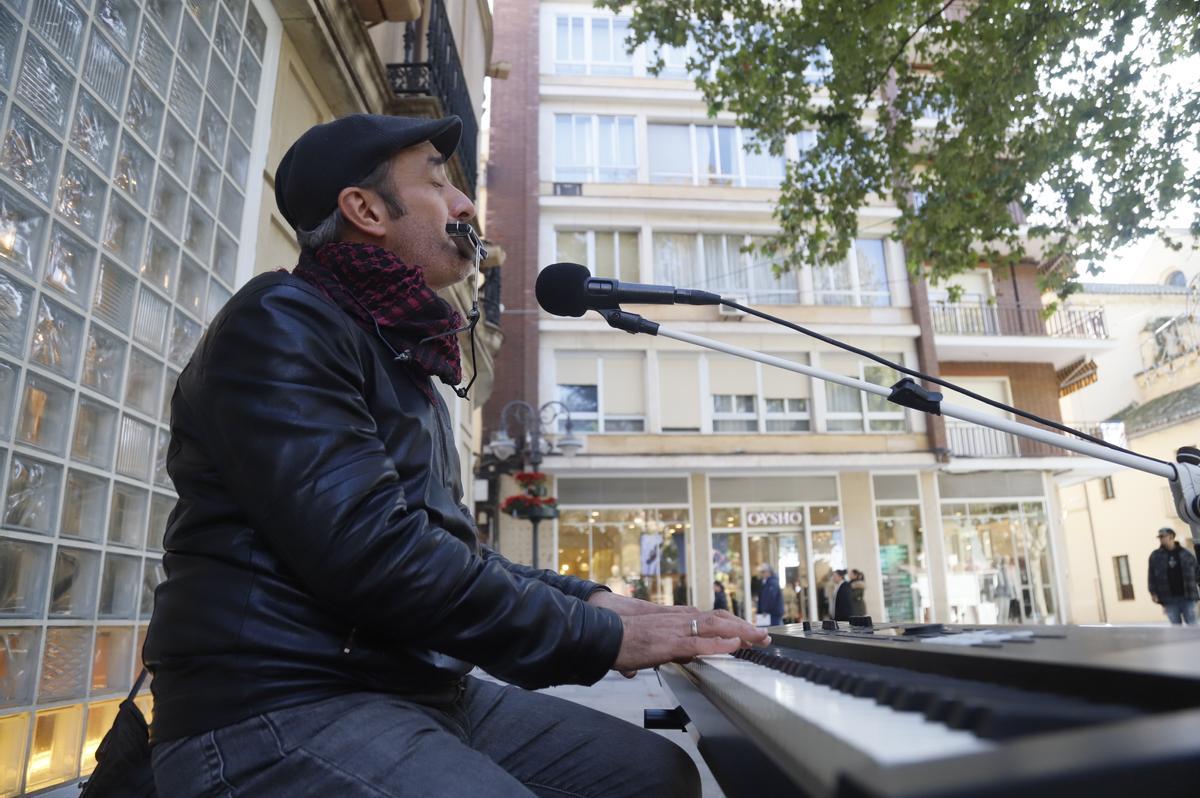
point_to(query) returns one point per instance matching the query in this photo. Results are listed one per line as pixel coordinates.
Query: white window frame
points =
(787, 415)
(602, 418)
(594, 167)
(855, 293)
(589, 62)
(591, 248)
(865, 415)
(762, 287)
(760, 415)
(737, 177)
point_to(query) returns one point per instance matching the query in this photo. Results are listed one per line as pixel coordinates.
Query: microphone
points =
(568, 289)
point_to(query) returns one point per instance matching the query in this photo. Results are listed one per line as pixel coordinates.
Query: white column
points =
(935, 545)
(1058, 548)
(701, 544)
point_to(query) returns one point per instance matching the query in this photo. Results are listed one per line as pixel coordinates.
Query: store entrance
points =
(786, 554)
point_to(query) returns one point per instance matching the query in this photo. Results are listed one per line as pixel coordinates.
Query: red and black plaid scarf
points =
(374, 287)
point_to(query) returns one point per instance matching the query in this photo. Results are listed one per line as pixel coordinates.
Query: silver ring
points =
(695, 628)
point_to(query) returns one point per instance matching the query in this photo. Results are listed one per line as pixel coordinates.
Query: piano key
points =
(836, 730)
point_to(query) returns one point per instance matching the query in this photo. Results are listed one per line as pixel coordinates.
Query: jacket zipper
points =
(349, 641)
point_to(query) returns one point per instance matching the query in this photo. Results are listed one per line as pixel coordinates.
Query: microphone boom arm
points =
(1183, 475)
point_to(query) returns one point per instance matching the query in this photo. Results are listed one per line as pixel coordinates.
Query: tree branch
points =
(900, 51)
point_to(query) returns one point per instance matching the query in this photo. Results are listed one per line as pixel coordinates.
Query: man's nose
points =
(461, 207)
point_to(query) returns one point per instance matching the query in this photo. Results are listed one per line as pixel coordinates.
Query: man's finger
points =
(712, 625)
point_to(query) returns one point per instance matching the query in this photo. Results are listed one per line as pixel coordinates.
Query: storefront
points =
(903, 558)
(632, 535)
(999, 554)
(792, 524)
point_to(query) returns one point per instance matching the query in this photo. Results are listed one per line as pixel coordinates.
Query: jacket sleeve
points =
(300, 453)
(571, 585)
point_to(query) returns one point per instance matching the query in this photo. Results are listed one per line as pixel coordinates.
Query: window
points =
(849, 409)
(1124, 578)
(1106, 486)
(785, 399)
(716, 262)
(820, 67)
(1176, 279)
(674, 61)
(605, 393)
(735, 412)
(606, 253)
(861, 279)
(594, 149)
(750, 397)
(591, 45)
(712, 155)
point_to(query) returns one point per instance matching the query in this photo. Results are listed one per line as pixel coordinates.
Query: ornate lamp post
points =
(525, 435)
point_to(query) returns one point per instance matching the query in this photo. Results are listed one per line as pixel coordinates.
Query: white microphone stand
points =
(1183, 475)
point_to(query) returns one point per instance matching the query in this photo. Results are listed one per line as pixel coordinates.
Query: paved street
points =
(625, 699)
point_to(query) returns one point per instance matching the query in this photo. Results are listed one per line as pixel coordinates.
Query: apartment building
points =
(698, 466)
(137, 146)
(1151, 392)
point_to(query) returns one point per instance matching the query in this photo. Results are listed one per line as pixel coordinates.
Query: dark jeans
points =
(493, 741)
(1180, 610)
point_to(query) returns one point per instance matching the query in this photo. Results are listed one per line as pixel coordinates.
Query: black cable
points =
(936, 381)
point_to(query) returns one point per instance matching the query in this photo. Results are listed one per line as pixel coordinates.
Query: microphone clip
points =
(908, 393)
(631, 323)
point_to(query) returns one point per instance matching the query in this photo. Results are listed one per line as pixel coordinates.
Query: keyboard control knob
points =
(807, 626)
(862, 621)
(829, 625)
(924, 629)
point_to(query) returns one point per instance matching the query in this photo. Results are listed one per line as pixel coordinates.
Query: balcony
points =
(970, 440)
(430, 82)
(1008, 333)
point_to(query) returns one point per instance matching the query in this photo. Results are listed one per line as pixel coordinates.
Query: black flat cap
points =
(329, 157)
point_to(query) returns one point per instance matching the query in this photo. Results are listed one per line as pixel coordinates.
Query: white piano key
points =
(823, 731)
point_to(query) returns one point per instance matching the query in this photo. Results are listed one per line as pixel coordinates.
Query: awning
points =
(1079, 374)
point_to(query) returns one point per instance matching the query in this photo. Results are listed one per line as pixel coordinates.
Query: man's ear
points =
(364, 211)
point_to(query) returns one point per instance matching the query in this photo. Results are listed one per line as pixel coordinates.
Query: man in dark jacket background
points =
(843, 597)
(770, 595)
(326, 595)
(1174, 579)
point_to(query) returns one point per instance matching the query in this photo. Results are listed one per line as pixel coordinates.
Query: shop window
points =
(904, 577)
(633, 551)
(1124, 578)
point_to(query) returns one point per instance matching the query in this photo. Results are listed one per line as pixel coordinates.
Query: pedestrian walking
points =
(1174, 579)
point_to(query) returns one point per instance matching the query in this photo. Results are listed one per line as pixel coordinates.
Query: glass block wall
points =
(125, 132)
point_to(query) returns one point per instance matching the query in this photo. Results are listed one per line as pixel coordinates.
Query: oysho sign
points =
(775, 517)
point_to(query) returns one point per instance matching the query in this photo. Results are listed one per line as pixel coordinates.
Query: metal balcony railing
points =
(980, 319)
(969, 440)
(490, 295)
(436, 71)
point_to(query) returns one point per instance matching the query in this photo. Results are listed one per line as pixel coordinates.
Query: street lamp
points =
(523, 435)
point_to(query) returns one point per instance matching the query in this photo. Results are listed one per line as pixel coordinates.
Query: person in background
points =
(680, 594)
(1174, 579)
(858, 586)
(720, 600)
(770, 597)
(843, 597)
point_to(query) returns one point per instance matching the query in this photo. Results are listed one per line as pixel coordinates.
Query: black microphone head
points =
(561, 289)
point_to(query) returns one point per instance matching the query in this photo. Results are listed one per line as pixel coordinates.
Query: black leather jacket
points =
(319, 545)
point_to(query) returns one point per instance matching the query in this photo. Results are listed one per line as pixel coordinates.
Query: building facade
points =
(698, 467)
(1152, 389)
(137, 144)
